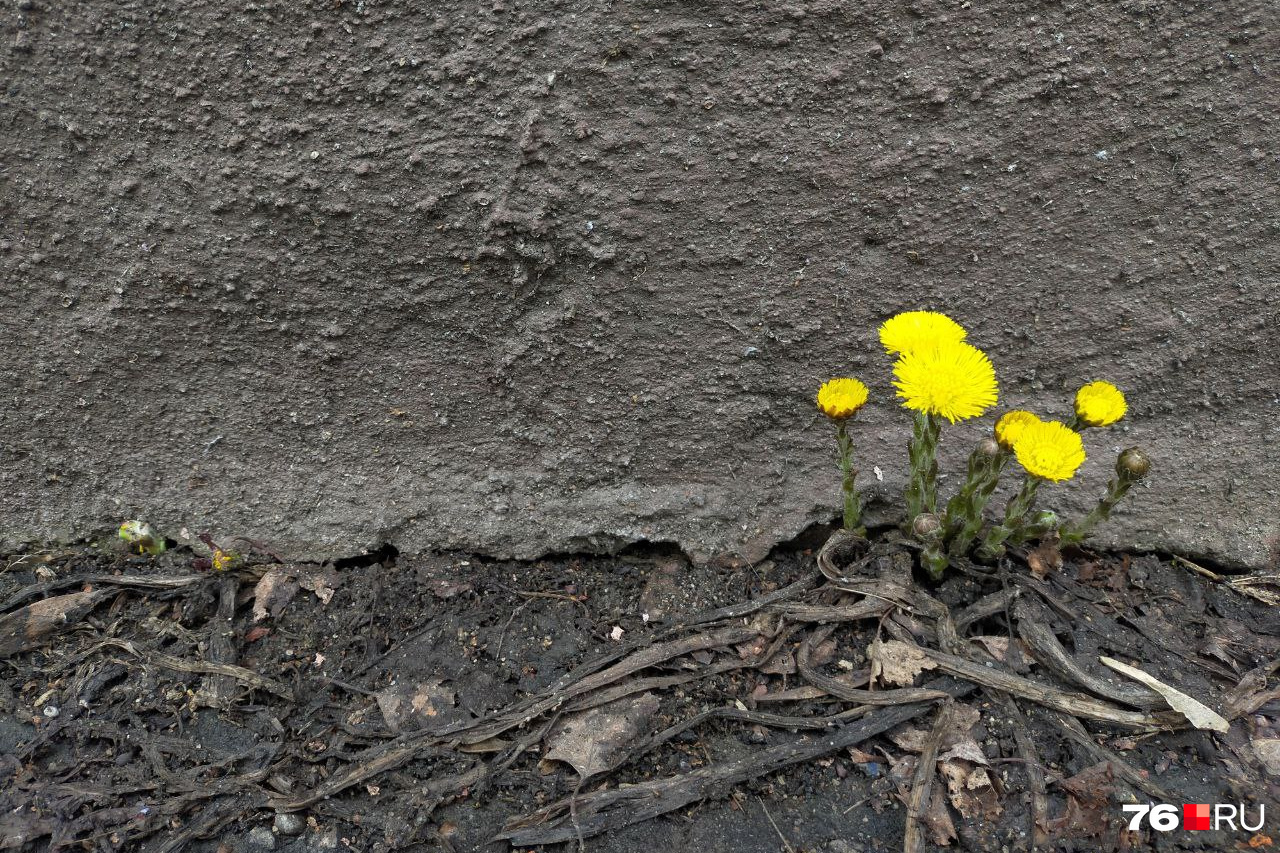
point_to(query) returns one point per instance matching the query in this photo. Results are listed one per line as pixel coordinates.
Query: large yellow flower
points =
(951, 379)
(1050, 450)
(1011, 425)
(1100, 404)
(841, 398)
(913, 329)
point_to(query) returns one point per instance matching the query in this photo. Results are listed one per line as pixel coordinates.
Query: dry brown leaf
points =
(596, 740)
(410, 707)
(1197, 713)
(1268, 752)
(320, 581)
(1089, 812)
(902, 769)
(909, 738)
(1046, 558)
(938, 820)
(966, 750)
(963, 719)
(857, 756)
(273, 593)
(970, 790)
(897, 663)
(281, 583)
(998, 648)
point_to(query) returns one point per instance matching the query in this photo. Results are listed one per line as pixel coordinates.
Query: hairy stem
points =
(922, 490)
(852, 508)
(1015, 514)
(972, 501)
(1117, 488)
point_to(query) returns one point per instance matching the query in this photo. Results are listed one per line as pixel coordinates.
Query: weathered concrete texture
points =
(534, 277)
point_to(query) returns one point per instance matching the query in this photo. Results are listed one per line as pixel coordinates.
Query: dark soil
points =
(106, 743)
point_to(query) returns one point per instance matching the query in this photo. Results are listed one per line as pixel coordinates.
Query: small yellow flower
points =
(1050, 450)
(913, 329)
(1100, 404)
(223, 560)
(841, 398)
(951, 379)
(1011, 425)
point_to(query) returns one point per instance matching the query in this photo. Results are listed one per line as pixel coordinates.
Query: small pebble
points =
(289, 824)
(262, 837)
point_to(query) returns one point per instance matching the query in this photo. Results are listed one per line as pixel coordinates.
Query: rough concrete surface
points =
(522, 278)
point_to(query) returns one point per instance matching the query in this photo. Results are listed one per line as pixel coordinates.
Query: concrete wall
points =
(521, 278)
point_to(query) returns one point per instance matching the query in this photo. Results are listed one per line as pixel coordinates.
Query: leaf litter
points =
(366, 681)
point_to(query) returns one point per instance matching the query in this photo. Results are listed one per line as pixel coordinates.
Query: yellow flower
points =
(223, 560)
(913, 329)
(951, 379)
(1100, 404)
(1050, 450)
(1011, 425)
(841, 398)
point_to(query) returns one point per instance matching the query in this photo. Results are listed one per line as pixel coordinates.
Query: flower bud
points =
(1133, 464)
(1045, 519)
(140, 535)
(989, 448)
(926, 525)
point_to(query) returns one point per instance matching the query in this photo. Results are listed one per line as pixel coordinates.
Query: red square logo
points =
(1195, 815)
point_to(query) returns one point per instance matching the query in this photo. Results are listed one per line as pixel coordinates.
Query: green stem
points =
(934, 560)
(922, 491)
(974, 498)
(1117, 488)
(1014, 514)
(954, 518)
(852, 509)
(1045, 522)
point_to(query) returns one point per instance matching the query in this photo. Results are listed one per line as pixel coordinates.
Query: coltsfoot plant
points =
(940, 376)
(219, 559)
(141, 537)
(839, 400)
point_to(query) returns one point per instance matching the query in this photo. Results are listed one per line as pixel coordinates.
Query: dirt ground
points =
(394, 705)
